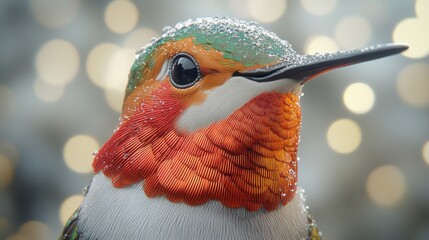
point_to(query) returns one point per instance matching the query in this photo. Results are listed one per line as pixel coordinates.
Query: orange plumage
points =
(234, 161)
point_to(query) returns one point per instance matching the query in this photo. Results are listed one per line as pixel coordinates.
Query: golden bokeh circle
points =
(317, 7)
(114, 99)
(359, 98)
(57, 62)
(425, 152)
(353, 32)
(344, 136)
(118, 69)
(117, 77)
(386, 185)
(422, 10)
(413, 84)
(68, 207)
(320, 44)
(54, 14)
(413, 31)
(139, 38)
(121, 16)
(267, 11)
(97, 63)
(77, 153)
(47, 92)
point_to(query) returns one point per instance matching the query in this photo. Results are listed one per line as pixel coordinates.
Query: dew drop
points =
(85, 190)
(166, 29)
(154, 39)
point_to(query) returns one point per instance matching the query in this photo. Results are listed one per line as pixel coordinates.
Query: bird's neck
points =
(247, 160)
(125, 213)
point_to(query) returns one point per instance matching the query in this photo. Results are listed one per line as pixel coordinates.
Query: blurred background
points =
(364, 147)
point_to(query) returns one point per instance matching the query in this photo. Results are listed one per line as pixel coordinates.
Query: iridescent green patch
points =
(247, 43)
(71, 231)
(313, 230)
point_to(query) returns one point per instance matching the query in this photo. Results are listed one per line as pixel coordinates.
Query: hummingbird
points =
(207, 142)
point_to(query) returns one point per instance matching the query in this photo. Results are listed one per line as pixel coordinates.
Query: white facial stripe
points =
(225, 99)
(164, 71)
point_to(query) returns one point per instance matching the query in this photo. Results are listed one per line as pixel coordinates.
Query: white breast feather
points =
(111, 213)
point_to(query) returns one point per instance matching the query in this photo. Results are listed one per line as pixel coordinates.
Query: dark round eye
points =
(184, 71)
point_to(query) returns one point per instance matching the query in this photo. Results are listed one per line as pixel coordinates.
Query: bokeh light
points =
(425, 152)
(77, 153)
(114, 98)
(344, 136)
(353, 32)
(6, 171)
(117, 77)
(267, 11)
(97, 62)
(139, 38)
(118, 69)
(413, 31)
(68, 207)
(57, 62)
(317, 7)
(422, 10)
(35, 230)
(47, 92)
(320, 44)
(359, 98)
(121, 16)
(386, 185)
(54, 14)
(413, 84)
(108, 67)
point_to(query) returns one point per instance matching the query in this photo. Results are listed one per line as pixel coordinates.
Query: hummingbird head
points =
(211, 112)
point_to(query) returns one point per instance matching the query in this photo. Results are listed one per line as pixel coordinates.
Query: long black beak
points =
(302, 68)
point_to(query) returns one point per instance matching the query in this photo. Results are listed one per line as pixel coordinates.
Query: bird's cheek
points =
(197, 94)
(190, 96)
(214, 80)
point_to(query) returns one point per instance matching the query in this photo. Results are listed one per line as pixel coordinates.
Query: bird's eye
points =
(184, 71)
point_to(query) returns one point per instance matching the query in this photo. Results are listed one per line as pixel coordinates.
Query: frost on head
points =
(246, 42)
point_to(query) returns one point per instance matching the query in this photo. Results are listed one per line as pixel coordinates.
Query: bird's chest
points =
(127, 213)
(233, 161)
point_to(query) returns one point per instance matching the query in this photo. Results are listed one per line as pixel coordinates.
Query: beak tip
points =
(398, 47)
(404, 47)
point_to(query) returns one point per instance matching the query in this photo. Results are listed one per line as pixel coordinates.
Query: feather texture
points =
(234, 161)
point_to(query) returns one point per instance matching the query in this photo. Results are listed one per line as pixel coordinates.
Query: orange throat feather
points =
(247, 160)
